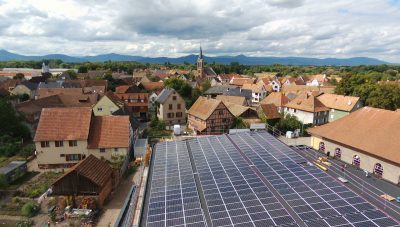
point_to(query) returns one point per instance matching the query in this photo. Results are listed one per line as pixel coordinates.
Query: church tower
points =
(200, 64)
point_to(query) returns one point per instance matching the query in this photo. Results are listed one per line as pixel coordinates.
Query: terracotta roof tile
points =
(239, 100)
(270, 111)
(241, 81)
(109, 132)
(254, 87)
(64, 124)
(203, 107)
(309, 104)
(374, 131)
(276, 98)
(45, 92)
(152, 85)
(339, 102)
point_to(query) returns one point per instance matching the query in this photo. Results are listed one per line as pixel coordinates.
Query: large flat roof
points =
(247, 179)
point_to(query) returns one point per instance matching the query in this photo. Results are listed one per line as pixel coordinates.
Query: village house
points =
(90, 179)
(171, 107)
(340, 105)
(278, 99)
(136, 102)
(108, 104)
(209, 116)
(268, 112)
(33, 108)
(67, 135)
(241, 81)
(258, 91)
(218, 90)
(270, 83)
(25, 88)
(367, 138)
(318, 80)
(308, 110)
(238, 100)
(248, 114)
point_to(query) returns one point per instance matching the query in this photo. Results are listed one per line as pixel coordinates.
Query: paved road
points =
(370, 188)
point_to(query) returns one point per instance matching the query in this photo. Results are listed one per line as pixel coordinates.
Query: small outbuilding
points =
(14, 170)
(89, 180)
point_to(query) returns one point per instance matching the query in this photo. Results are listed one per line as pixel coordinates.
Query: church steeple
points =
(201, 53)
(200, 64)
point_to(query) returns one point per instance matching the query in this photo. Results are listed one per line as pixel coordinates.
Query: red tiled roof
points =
(270, 111)
(64, 124)
(374, 131)
(309, 104)
(109, 132)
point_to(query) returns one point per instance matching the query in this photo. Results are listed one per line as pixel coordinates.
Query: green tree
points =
(19, 76)
(29, 209)
(82, 69)
(72, 74)
(10, 122)
(238, 123)
(3, 180)
(180, 86)
(288, 123)
(385, 96)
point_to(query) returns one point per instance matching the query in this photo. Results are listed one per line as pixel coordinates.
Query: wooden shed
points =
(90, 178)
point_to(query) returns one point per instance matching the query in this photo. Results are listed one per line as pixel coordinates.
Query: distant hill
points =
(242, 59)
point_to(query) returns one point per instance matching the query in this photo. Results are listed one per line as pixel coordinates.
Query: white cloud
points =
(311, 28)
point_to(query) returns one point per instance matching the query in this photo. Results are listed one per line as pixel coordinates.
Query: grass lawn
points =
(5, 160)
(40, 185)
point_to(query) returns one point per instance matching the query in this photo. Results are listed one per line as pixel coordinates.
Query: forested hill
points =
(241, 59)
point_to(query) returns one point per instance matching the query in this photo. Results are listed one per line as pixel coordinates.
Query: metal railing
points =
(125, 217)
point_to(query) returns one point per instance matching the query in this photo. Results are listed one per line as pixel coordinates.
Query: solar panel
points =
(313, 201)
(248, 179)
(173, 199)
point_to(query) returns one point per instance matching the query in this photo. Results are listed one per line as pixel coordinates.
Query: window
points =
(178, 106)
(62, 155)
(294, 111)
(179, 114)
(100, 109)
(170, 106)
(173, 97)
(45, 144)
(73, 157)
(116, 149)
(73, 143)
(102, 150)
(59, 143)
(170, 115)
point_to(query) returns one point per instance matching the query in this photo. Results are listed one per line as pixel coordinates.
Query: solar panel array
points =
(315, 196)
(235, 195)
(173, 199)
(248, 179)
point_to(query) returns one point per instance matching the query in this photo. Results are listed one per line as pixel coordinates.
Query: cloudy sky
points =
(310, 28)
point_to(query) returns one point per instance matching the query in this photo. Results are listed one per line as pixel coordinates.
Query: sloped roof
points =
(64, 124)
(277, 98)
(218, 89)
(163, 96)
(92, 168)
(208, 71)
(309, 104)
(122, 89)
(117, 101)
(45, 92)
(270, 111)
(241, 81)
(236, 109)
(302, 88)
(31, 86)
(339, 102)
(109, 132)
(239, 100)
(142, 96)
(203, 107)
(374, 131)
(254, 87)
(152, 85)
(239, 92)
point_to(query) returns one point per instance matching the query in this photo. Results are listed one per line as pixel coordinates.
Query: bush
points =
(29, 209)
(24, 223)
(3, 180)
